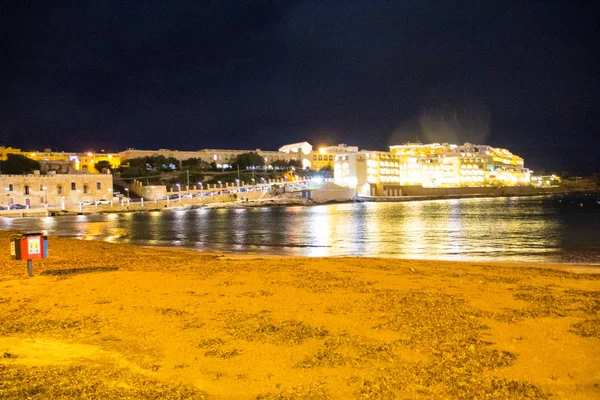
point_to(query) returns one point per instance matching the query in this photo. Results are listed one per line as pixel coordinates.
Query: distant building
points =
(221, 157)
(429, 165)
(65, 162)
(325, 156)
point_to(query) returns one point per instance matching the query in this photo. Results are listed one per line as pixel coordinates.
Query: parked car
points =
(86, 203)
(17, 207)
(102, 201)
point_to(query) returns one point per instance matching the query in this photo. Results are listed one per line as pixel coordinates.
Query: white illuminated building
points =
(429, 165)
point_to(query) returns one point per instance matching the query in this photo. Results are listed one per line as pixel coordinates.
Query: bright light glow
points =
(89, 154)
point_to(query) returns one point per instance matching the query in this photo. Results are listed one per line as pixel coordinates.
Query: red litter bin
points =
(29, 246)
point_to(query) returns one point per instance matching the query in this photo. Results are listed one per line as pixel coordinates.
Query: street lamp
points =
(44, 188)
(200, 184)
(178, 190)
(238, 184)
(7, 198)
(220, 187)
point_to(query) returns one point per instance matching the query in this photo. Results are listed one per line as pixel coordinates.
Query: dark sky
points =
(261, 74)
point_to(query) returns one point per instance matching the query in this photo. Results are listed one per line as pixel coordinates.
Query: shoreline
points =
(270, 202)
(575, 267)
(112, 320)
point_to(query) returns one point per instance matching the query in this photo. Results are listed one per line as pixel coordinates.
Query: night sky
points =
(260, 74)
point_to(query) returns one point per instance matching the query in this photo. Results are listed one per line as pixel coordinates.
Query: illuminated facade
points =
(87, 161)
(65, 161)
(429, 165)
(325, 156)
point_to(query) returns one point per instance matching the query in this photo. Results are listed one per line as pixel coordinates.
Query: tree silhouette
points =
(17, 164)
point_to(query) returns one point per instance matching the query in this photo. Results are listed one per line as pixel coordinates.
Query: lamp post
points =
(238, 184)
(220, 187)
(178, 190)
(44, 188)
(80, 200)
(7, 198)
(200, 184)
(253, 184)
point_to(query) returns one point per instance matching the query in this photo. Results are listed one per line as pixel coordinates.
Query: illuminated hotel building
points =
(429, 165)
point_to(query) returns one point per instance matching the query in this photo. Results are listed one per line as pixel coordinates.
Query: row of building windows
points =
(322, 158)
(59, 188)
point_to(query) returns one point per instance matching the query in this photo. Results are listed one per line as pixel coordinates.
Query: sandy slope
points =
(118, 321)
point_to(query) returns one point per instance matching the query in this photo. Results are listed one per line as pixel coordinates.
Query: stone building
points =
(36, 190)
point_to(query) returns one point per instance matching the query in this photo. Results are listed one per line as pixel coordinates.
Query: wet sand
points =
(107, 320)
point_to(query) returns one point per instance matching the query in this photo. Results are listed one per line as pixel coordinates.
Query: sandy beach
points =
(104, 320)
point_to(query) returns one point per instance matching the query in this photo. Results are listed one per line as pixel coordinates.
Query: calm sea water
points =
(532, 229)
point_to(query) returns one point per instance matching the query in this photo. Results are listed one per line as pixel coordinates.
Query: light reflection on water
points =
(500, 229)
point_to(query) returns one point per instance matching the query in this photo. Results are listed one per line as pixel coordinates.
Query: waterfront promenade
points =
(107, 320)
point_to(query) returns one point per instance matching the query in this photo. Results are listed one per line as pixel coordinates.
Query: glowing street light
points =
(200, 184)
(178, 190)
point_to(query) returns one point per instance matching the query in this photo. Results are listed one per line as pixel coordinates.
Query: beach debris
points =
(87, 381)
(587, 328)
(262, 327)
